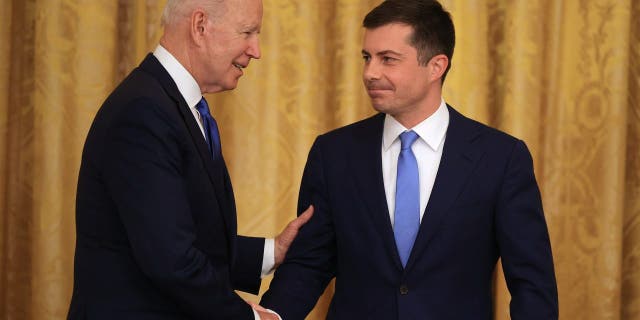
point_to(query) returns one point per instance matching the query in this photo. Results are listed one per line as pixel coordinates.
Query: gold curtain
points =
(562, 75)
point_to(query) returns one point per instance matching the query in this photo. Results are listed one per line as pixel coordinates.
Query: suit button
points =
(404, 289)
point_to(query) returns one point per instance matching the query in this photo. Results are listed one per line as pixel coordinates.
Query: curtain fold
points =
(630, 276)
(564, 76)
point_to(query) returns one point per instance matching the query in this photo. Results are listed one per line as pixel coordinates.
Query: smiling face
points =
(396, 82)
(229, 42)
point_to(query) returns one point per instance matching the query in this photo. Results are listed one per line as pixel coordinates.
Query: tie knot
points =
(408, 138)
(203, 107)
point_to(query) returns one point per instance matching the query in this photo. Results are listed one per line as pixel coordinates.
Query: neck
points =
(412, 118)
(179, 50)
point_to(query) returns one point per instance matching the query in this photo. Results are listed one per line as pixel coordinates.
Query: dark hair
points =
(433, 31)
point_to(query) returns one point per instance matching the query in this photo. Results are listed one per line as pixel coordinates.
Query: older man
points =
(155, 212)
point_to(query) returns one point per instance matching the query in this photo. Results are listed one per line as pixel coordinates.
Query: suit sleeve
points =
(143, 175)
(310, 262)
(247, 267)
(524, 243)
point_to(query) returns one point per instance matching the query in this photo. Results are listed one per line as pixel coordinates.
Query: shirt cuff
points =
(269, 258)
(257, 316)
(275, 313)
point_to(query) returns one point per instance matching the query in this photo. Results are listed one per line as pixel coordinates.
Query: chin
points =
(233, 83)
(230, 86)
(380, 107)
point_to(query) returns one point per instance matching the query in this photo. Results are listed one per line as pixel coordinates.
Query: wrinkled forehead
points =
(245, 7)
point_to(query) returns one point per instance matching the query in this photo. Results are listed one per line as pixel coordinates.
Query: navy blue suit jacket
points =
(485, 204)
(155, 214)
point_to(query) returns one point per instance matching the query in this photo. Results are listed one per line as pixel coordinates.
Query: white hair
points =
(174, 10)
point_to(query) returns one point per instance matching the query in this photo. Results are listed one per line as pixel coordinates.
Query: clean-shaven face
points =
(232, 42)
(394, 80)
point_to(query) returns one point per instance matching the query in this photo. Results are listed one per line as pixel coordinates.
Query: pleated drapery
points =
(564, 76)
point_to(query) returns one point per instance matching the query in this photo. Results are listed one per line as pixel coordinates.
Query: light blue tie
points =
(210, 129)
(407, 214)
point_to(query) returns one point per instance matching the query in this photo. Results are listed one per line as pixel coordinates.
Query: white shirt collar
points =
(431, 130)
(187, 85)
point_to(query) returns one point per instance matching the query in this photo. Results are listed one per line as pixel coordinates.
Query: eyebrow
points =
(251, 28)
(382, 53)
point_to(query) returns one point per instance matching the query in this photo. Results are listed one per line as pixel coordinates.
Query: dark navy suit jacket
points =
(485, 204)
(155, 214)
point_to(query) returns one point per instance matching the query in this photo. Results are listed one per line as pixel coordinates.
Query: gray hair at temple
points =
(175, 10)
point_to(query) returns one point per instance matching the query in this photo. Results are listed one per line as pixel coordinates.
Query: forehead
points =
(243, 13)
(387, 37)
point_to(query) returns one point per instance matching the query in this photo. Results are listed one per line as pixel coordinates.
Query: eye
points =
(366, 57)
(248, 34)
(387, 59)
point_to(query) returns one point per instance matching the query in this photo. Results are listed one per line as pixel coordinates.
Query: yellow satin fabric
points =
(564, 76)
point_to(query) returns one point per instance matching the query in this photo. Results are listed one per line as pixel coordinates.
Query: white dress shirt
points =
(427, 150)
(191, 93)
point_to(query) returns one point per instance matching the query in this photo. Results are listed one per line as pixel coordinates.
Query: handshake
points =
(262, 313)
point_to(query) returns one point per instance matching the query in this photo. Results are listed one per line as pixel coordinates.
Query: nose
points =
(371, 71)
(253, 50)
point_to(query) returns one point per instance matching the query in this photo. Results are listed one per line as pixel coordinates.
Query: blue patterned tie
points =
(407, 214)
(210, 128)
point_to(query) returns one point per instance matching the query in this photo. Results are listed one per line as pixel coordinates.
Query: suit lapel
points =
(216, 170)
(458, 160)
(365, 160)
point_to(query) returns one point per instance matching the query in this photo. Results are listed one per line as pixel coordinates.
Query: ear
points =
(437, 66)
(198, 25)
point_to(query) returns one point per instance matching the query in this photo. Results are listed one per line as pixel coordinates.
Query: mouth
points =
(373, 87)
(239, 66)
(377, 91)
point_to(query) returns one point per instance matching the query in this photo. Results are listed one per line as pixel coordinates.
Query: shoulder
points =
(141, 86)
(369, 128)
(140, 92)
(462, 128)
